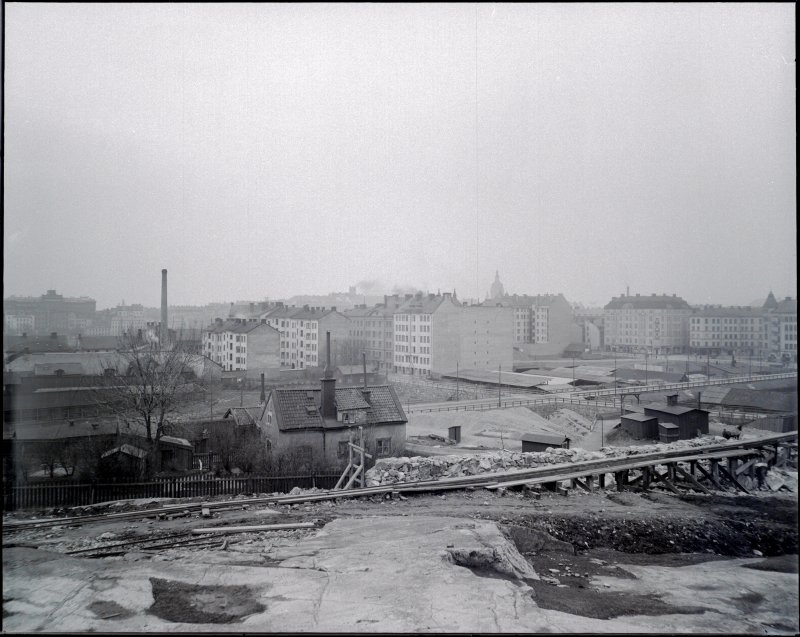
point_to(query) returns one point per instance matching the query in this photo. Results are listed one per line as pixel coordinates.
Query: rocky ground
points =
(463, 561)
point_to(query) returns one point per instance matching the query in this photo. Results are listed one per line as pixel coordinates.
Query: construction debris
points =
(256, 529)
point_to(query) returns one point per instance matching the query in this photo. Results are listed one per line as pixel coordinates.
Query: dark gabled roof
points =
(674, 410)
(760, 399)
(385, 405)
(787, 306)
(291, 408)
(237, 326)
(300, 408)
(423, 304)
(127, 450)
(108, 343)
(628, 373)
(351, 398)
(652, 302)
(544, 439)
(638, 417)
(770, 303)
(245, 415)
(49, 369)
(527, 300)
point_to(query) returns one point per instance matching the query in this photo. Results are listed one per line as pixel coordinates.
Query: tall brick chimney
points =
(164, 333)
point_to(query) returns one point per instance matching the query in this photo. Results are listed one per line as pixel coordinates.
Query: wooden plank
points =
(663, 479)
(254, 529)
(733, 479)
(691, 479)
(710, 477)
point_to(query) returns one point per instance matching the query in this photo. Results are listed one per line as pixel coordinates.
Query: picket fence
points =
(54, 494)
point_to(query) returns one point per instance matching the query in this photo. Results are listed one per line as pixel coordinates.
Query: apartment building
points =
(434, 333)
(50, 312)
(655, 323)
(782, 329)
(541, 318)
(769, 330)
(242, 345)
(127, 319)
(718, 330)
(302, 333)
(372, 331)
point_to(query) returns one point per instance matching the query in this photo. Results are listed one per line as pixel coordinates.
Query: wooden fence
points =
(51, 494)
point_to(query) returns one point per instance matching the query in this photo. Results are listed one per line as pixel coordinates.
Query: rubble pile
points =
(395, 470)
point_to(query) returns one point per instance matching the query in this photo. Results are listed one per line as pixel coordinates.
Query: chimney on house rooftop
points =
(328, 406)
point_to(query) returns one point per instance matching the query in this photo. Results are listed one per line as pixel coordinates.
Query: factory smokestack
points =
(164, 333)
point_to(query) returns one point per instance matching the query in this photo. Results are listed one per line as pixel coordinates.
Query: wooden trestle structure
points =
(699, 469)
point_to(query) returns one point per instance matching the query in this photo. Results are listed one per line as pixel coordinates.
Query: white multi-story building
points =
(127, 319)
(769, 330)
(655, 323)
(434, 334)
(303, 331)
(242, 345)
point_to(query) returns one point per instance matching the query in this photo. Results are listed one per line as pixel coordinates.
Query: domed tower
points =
(497, 291)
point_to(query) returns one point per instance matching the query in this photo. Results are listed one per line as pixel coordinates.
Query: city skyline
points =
(270, 150)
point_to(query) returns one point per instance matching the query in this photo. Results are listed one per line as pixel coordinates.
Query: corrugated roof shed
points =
(128, 450)
(638, 417)
(674, 410)
(544, 439)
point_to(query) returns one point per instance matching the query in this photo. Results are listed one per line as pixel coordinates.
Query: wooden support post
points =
(668, 483)
(693, 467)
(733, 479)
(710, 477)
(646, 477)
(747, 466)
(715, 469)
(621, 478)
(577, 482)
(780, 460)
(732, 464)
(601, 480)
(671, 472)
(691, 480)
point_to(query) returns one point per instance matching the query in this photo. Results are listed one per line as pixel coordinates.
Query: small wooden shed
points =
(540, 441)
(640, 427)
(667, 432)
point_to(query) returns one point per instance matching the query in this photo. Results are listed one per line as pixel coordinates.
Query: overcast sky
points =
(261, 150)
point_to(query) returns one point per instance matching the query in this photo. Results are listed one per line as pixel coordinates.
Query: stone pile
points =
(395, 470)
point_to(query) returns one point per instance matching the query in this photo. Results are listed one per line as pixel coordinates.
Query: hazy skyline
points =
(260, 150)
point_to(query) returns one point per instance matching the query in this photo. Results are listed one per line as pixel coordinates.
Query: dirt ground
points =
(569, 541)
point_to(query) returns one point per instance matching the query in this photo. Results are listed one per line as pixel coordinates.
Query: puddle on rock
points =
(194, 604)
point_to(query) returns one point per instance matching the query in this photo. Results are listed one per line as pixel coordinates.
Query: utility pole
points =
(708, 364)
(456, 381)
(499, 385)
(645, 367)
(615, 370)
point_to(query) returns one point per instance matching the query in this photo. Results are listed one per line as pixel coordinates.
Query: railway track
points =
(550, 474)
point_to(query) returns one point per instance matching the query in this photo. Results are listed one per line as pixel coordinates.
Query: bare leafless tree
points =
(147, 386)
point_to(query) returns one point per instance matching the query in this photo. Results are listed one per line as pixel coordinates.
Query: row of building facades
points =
(432, 334)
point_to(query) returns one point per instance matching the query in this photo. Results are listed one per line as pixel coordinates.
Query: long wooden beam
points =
(733, 479)
(691, 479)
